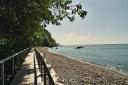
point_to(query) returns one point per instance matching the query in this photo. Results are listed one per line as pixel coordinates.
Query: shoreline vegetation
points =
(74, 72)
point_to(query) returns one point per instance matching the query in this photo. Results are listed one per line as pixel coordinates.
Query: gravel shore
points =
(74, 72)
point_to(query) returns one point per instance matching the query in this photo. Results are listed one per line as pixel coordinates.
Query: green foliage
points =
(23, 22)
(43, 38)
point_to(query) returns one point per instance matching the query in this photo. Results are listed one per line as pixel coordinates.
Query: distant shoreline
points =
(97, 44)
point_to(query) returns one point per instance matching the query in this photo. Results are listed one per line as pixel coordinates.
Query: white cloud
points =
(108, 29)
(77, 39)
(73, 38)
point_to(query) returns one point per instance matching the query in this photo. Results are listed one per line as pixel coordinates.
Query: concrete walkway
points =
(25, 75)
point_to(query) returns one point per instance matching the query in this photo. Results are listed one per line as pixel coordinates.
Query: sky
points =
(105, 23)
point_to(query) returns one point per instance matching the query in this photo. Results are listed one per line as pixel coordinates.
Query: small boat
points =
(56, 48)
(79, 47)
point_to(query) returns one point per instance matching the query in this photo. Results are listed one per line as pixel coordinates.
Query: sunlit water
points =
(112, 56)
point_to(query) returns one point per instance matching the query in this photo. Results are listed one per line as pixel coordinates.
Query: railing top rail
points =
(6, 59)
(37, 49)
(42, 54)
(46, 70)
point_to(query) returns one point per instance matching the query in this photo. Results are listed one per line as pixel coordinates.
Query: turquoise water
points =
(112, 56)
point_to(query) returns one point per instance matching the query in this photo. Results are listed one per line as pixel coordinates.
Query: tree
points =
(24, 22)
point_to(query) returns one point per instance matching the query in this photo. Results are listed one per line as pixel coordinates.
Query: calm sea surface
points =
(111, 56)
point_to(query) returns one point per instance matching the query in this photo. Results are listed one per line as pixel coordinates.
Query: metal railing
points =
(45, 74)
(10, 65)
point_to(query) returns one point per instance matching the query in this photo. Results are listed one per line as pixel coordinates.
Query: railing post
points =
(35, 74)
(41, 69)
(22, 57)
(44, 75)
(2, 73)
(13, 66)
(20, 60)
(49, 79)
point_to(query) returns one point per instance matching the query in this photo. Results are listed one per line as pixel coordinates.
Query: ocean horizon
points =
(110, 56)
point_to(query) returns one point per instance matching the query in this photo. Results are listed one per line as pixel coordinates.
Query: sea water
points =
(112, 56)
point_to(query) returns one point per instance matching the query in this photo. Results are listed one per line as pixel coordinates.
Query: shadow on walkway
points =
(25, 76)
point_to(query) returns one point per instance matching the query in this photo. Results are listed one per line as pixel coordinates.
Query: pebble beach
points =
(75, 72)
